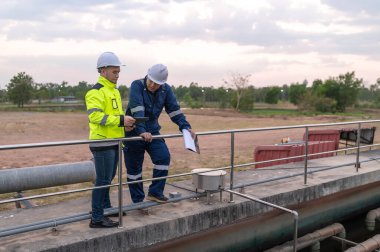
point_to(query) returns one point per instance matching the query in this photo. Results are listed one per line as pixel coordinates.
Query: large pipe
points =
(370, 219)
(27, 178)
(369, 245)
(312, 239)
(17, 180)
(83, 216)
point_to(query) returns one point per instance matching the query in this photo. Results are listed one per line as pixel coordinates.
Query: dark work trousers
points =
(105, 166)
(134, 157)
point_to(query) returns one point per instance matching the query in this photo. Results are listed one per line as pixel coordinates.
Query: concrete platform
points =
(190, 216)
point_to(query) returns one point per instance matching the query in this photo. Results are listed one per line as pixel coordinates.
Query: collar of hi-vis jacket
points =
(106, 82)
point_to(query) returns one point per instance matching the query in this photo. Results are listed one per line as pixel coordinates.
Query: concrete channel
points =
(195, 224)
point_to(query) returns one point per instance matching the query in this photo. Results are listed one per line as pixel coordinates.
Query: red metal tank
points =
(269, 152)
(324, 135)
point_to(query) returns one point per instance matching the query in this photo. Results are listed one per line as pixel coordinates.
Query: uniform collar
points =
(106, 82)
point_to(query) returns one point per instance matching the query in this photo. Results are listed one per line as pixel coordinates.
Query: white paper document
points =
(190, 143)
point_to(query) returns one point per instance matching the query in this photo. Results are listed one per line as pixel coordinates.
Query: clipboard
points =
(190, 143)
(141, 119)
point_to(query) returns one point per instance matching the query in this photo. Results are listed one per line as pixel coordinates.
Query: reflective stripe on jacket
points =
(142, 102)
(105, 112)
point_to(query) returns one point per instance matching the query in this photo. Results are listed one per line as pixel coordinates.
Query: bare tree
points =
(240, 83)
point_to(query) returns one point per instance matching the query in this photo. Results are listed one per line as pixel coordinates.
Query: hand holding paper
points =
(190, 143)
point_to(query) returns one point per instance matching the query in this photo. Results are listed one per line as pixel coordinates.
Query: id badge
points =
(114, 104)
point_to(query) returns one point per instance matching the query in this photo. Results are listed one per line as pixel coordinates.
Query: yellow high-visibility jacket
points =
(105, 112)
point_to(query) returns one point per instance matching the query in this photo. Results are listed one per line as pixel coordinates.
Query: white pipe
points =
(27, 178)
(312, 239)
(369, 245)
(371, 217)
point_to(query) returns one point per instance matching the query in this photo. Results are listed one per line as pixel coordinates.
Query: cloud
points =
(355, 7)
(273, 25)
(211, 37)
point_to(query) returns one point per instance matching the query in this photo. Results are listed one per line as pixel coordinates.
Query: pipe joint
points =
(371, 218)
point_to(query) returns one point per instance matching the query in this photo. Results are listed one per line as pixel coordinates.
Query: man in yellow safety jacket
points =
(106, 121)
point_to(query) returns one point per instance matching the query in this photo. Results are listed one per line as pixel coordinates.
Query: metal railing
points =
(231, 167)
(294, 213)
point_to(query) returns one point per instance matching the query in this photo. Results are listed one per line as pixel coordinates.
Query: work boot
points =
(159, 199)
(104, 223)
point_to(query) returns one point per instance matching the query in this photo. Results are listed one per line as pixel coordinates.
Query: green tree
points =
(368, 94)
(349, 90)
(248, 99)
(53, 89)
(63, 89)
(296, 92)
(124, 92)
(20, 89)
(273, 95)
(223, 97)
(344, 89)
(188, 100)
(260, 94)
(376, 89)
(317, 87)
(310, 101)
(284, 93)
(3, 95)
(195, 92)
(81, 89)
(40, 92)
(180, 91)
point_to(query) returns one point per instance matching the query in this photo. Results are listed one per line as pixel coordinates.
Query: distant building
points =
(66, 99)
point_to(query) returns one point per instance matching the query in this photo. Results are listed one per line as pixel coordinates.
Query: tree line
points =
(334, 94)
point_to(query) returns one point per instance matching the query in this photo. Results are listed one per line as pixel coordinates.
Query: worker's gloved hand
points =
(146, 136)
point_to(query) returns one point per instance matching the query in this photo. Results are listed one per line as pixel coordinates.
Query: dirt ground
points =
(40, 127)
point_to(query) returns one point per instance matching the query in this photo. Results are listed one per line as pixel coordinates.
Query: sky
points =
(275, 42)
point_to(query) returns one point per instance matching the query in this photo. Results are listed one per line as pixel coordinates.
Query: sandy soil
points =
(39, 127)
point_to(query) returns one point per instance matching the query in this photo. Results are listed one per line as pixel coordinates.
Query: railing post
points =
(120, 186)
(232, 166)
(295, 228)
(306, 153)
(357, 165)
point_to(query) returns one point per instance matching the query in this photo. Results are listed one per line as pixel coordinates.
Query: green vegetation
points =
(20, 89)
(333, 95)
(271, 112)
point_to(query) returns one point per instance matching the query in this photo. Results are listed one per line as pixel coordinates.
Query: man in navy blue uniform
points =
(147, 98)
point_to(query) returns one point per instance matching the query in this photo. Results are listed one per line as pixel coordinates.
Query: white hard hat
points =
(108, 59)
(158, 74)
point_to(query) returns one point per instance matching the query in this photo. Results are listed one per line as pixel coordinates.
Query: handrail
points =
(294, 213)
(231, 167)
(180, 175)
(50, 144)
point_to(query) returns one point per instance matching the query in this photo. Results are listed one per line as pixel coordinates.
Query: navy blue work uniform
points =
(142, 102)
